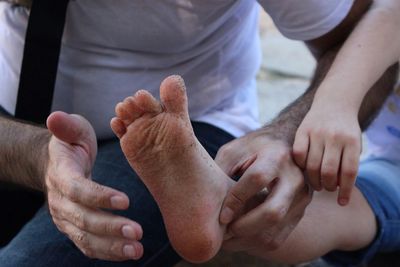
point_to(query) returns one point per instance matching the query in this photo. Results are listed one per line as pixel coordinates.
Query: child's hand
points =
(328, 146)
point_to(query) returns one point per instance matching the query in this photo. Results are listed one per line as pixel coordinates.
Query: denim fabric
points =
(39, 243)
(379, 182)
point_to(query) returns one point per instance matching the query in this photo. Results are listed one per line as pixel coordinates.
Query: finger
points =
(314, 159)
(266, 240)
(236, 244)
(254, 179)
(97, 222)
(273, 211)
(89, 193)
(227, 158)
(330, 165)
(348, 173)
(294, 216)
(281, 235)
(251, 204)
(300, 148)
(104, 248)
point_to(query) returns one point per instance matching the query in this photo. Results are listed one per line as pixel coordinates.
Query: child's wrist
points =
(339, 96)
(337, 101)
(335, 106)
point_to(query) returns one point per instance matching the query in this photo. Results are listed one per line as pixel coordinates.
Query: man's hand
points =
(265, 164)
(76, 202)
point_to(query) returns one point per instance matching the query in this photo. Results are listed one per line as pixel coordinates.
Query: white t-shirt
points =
(383, 135)
(113, 48)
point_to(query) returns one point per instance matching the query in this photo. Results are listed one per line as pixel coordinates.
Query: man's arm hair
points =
(23, 153)
(325, 49)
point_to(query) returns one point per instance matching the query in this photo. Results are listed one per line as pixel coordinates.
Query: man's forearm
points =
(287, 122)
(23, 153)
(375, 97)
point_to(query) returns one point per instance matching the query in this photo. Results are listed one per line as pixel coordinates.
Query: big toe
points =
(173, 94)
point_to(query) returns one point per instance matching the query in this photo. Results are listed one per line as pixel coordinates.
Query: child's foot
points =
(159, 143)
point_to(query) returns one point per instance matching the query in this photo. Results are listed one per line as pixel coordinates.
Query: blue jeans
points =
(39, 243)
(379, 181)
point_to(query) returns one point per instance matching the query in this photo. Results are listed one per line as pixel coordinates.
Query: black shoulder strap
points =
(40, 60)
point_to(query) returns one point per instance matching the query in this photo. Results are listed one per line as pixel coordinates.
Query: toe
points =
(121, 112)
(173, 94)
(133, 109)
(147, 103)
(118, 127)
(129, 110)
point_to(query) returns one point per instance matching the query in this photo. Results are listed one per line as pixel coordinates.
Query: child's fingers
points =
(349, 169)
(314, 159)
(300, 148)
(330, 165)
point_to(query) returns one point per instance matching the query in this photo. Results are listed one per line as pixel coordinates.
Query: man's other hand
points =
(265, 164)
(76, 202)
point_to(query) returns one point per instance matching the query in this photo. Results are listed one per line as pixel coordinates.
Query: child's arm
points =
(328, 142)
(373, 46)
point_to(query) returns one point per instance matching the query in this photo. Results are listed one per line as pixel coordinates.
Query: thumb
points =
(229, 157)
(73, 129)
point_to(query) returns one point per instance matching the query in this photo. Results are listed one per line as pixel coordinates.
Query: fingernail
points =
(117, 202)
(128, 232)
(343, 201)
(226, 215)
(129, 251)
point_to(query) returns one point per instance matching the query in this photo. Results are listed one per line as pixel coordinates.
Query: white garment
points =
(110, 50)
(383, 136)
